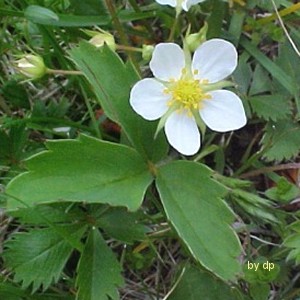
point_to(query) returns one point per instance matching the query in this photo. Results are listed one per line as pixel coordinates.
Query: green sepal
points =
(163, 120)
(199, 122)
(216, 86)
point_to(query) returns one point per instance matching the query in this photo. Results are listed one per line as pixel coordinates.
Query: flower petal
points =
(214, 60)
(223, 112)
(148, 99)
(188, 3)
(172, 3)
(167, 61)
(182, 133)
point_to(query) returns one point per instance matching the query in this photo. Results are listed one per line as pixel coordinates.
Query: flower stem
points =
(64, 72)
(172, 32)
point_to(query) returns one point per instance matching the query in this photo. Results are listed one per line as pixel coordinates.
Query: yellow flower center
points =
(187, 93)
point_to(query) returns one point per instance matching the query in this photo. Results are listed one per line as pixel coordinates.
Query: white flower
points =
(186, 93)
(180, 4)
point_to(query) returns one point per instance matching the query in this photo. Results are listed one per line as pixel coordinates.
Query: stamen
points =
(187, 94)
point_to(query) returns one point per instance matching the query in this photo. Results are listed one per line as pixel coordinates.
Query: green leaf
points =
(11, 13)
(112, 81)
(38, 257)
(195, 284)
(279, 74)
(10, 292)
(259, 291)
(122, 225)
(50, 18)
(255, 205)
(242, 74)
(18, 139)
(289, 61)
(215, 19)
(282, 140)
(261, 82)
(38, 14)
(193, 204)
(53, 109)
(271, 107)
(12, 144)
(56, 212)
(236, 25)
(15, 94)
(43, 296)
(5, 151)
(98, 271)
(292, 241)
(83, 170)
(284, 191)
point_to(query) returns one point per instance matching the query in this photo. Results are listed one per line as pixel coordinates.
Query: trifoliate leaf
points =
(83, 170)
(271, 107)
(193, 204)
(195, 284)
(38, 257)
(98, 271)
(282, 140)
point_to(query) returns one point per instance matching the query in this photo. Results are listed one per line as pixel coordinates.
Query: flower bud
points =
(147, 51)
(99, 38)
(194, 40)
(32, 66)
